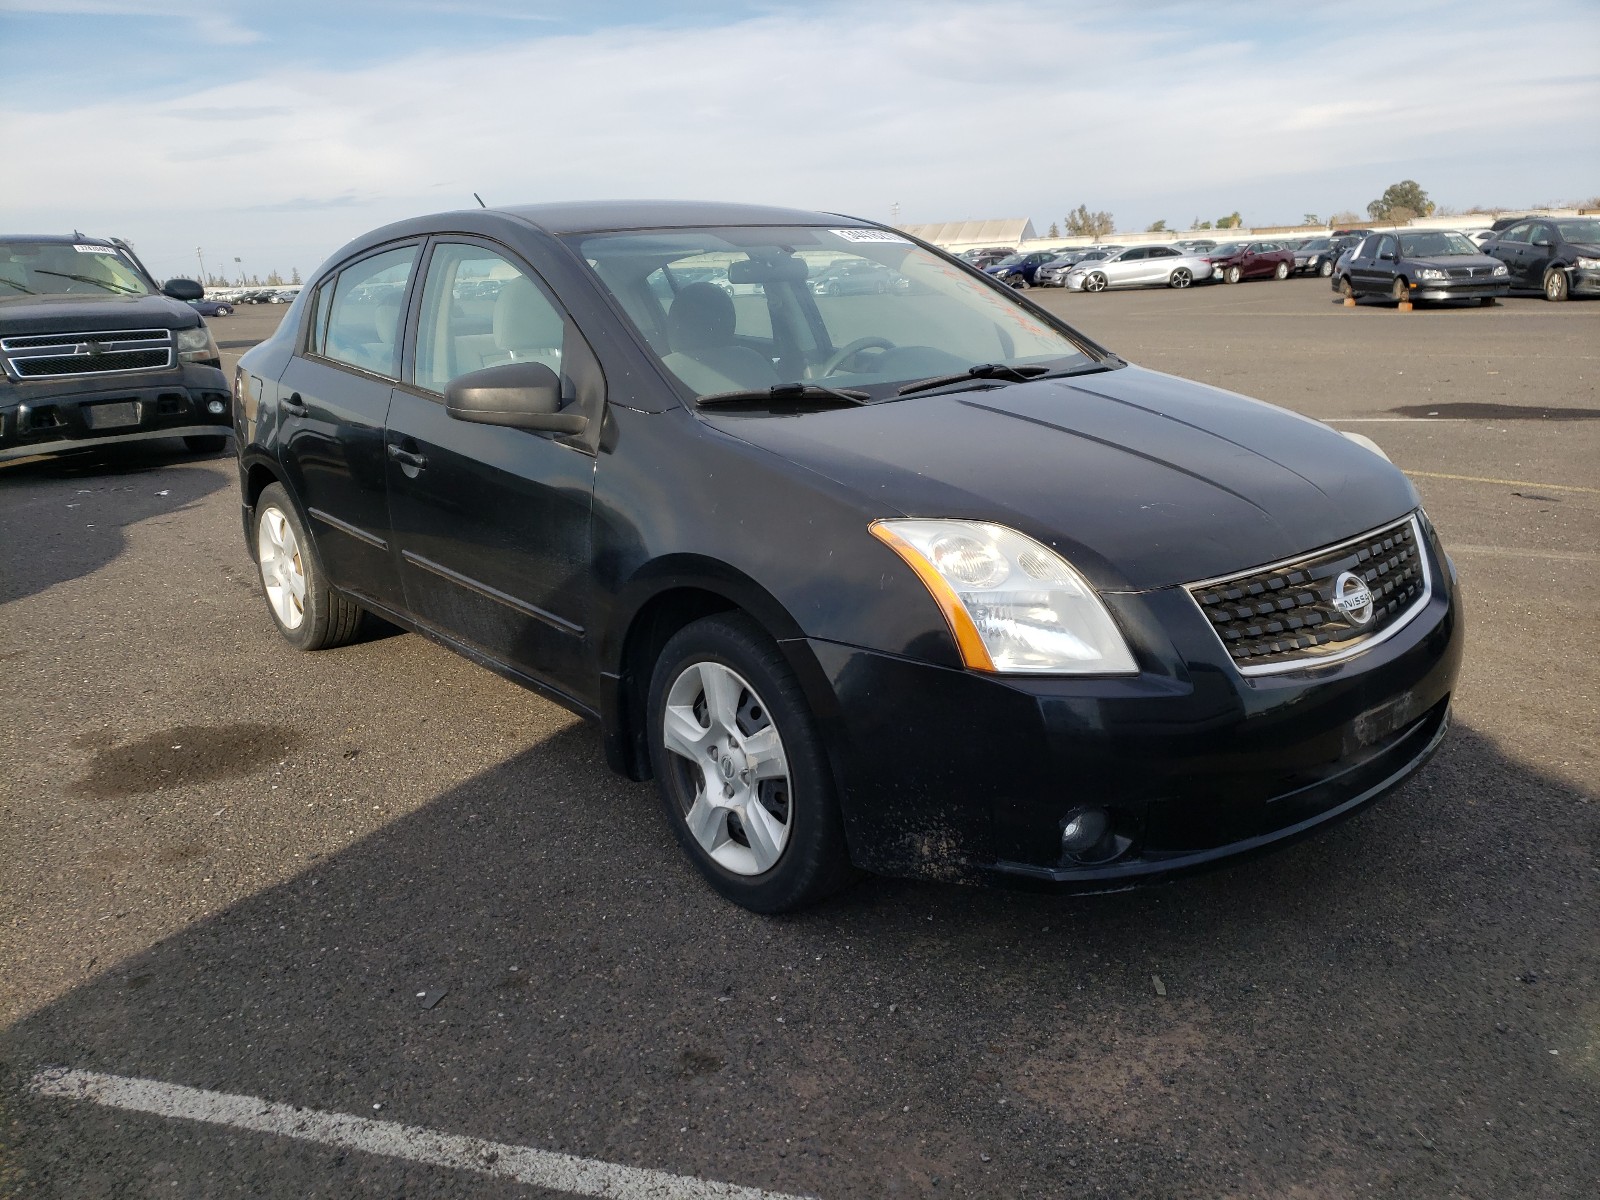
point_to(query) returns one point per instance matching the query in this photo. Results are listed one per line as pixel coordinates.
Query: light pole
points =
(202, 259)
(241, 270)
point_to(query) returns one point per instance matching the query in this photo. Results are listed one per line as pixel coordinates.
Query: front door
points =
(333, 401)
(491, 523)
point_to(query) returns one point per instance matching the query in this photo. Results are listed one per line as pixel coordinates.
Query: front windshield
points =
(1317, 244)
(1009, 260)
(749, 309)
(1226, 250)
(1436, 245)
(66, 268)
(1580, 231)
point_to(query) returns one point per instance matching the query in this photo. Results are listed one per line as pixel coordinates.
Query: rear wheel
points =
(1555, 284)
(206, 443)
(741, 769)
(308, 612)
(1232, 275)
(1282, 272)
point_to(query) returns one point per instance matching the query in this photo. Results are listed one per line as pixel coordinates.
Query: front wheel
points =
(1282, 272)
(1555, 284)
(1232, 275)
(308, 612)
(206, 443)
(224, 311)
(1096, 282)
(1400, 291)
(1347, 289)
(1326, 269)
(1181, 278)
(741, 770)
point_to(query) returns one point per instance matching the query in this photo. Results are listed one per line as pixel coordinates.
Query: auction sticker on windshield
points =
(95, 249)
(869, 235)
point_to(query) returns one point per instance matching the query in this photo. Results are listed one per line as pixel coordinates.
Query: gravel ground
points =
(233, 867)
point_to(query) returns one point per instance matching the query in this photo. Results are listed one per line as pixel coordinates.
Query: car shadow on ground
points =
(107, 490)
(1405, 1002)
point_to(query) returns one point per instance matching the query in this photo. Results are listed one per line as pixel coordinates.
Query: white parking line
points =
(540, 1168)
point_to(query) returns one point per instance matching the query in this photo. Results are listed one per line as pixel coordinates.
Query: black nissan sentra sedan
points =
(922, 583)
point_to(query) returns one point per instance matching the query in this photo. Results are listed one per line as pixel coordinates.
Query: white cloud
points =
(207, 25)
(951, 109)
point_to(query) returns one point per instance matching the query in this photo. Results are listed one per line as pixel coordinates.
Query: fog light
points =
(1082, 832)
(216, 408)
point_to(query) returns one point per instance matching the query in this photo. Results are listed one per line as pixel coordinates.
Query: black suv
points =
(93, 351)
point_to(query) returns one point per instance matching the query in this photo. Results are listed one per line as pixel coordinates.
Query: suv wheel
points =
(308, 612)
(741, 771)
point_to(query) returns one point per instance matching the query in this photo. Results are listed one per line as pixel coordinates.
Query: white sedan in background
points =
(1140, 266)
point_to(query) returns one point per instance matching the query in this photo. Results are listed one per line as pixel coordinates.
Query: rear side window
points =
(363, 328)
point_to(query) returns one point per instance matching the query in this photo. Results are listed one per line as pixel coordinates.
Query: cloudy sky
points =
(275, 130)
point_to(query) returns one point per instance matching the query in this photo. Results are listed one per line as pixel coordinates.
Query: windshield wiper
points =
(798, 392)
(13, 283)
(99, 283)
(982, 371)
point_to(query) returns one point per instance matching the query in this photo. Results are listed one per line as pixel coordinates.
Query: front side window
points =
(479, 309)
(1517, 233)
(364, 315)
(67, 269)
(740, 309)
(1385, 246)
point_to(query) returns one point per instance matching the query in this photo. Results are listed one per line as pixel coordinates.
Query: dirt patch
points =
(1482, 411)
(183, 756)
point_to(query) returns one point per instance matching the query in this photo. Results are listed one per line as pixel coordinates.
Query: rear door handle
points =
(407, 458)
(294, 407)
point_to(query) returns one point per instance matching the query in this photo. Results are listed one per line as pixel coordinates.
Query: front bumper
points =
(1460, 289)
(54, 416)
(1583, 282)
(968, 776)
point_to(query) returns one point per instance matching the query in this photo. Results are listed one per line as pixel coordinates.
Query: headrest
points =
(523, 318)
(701, 317)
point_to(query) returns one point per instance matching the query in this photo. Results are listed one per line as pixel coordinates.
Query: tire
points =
(1555, 285)
(224, 311)
(1232, 275)
(723, 696)
(206, 443)
(1282, 272)
(1400, 292)
(833, 287)
(1021, 283)
(309, 613)
(1347, 289)
(1326, 269)
(1181, 278)
(1094, 282)
(1487, 301)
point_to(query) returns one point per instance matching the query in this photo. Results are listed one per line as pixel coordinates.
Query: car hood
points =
(69, 314)
(1140, 479)
(1443, 262)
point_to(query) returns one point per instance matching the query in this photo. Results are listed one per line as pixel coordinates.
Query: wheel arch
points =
(257, 473)
(661, 599)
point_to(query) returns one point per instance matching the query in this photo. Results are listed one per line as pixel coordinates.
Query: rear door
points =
(491, 523)
(333, 402)
(1162, 260)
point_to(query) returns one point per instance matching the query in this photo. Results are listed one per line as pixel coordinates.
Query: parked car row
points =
(1556, 256)
(262, 295)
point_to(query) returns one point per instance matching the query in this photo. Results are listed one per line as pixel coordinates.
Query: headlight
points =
(1015, 606)
(1430, 273)
(1502, 270)
(1587, 264)
(196, 344)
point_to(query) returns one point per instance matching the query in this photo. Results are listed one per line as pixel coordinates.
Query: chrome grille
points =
(100, 352)
(1284, 616)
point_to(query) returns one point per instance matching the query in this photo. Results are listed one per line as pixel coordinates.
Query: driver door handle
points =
(407, 458)
(294, 407)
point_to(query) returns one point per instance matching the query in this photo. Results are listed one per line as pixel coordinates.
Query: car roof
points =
(60, 239)
(595, 216)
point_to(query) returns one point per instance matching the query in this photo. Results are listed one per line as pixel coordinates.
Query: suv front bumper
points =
(54, 416)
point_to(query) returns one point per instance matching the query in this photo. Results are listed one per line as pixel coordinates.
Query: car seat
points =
(705, 353)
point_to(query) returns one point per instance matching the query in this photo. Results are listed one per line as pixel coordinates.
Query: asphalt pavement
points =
(384, 883)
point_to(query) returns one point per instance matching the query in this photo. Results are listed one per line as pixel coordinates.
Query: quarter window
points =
(481, 310)
(364, 316)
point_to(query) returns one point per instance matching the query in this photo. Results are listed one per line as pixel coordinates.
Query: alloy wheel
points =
(282, 568)
(1181, 278)
(1095, 283)
(733, 771)
(1555, 284)
(1282, 272)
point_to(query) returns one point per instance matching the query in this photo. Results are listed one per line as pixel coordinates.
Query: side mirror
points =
(183, 289)
(1545, 242)
(1386, 257)
(520, 395)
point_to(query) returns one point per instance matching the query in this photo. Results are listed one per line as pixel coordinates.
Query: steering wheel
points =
(843, 353)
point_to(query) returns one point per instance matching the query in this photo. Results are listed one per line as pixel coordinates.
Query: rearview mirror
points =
(183, 289)
(520, 395)
(777, 270)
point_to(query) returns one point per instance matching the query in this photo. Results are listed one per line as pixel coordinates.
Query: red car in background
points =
(1251, 260)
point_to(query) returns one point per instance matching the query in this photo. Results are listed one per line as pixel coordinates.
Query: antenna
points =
(479, 199)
